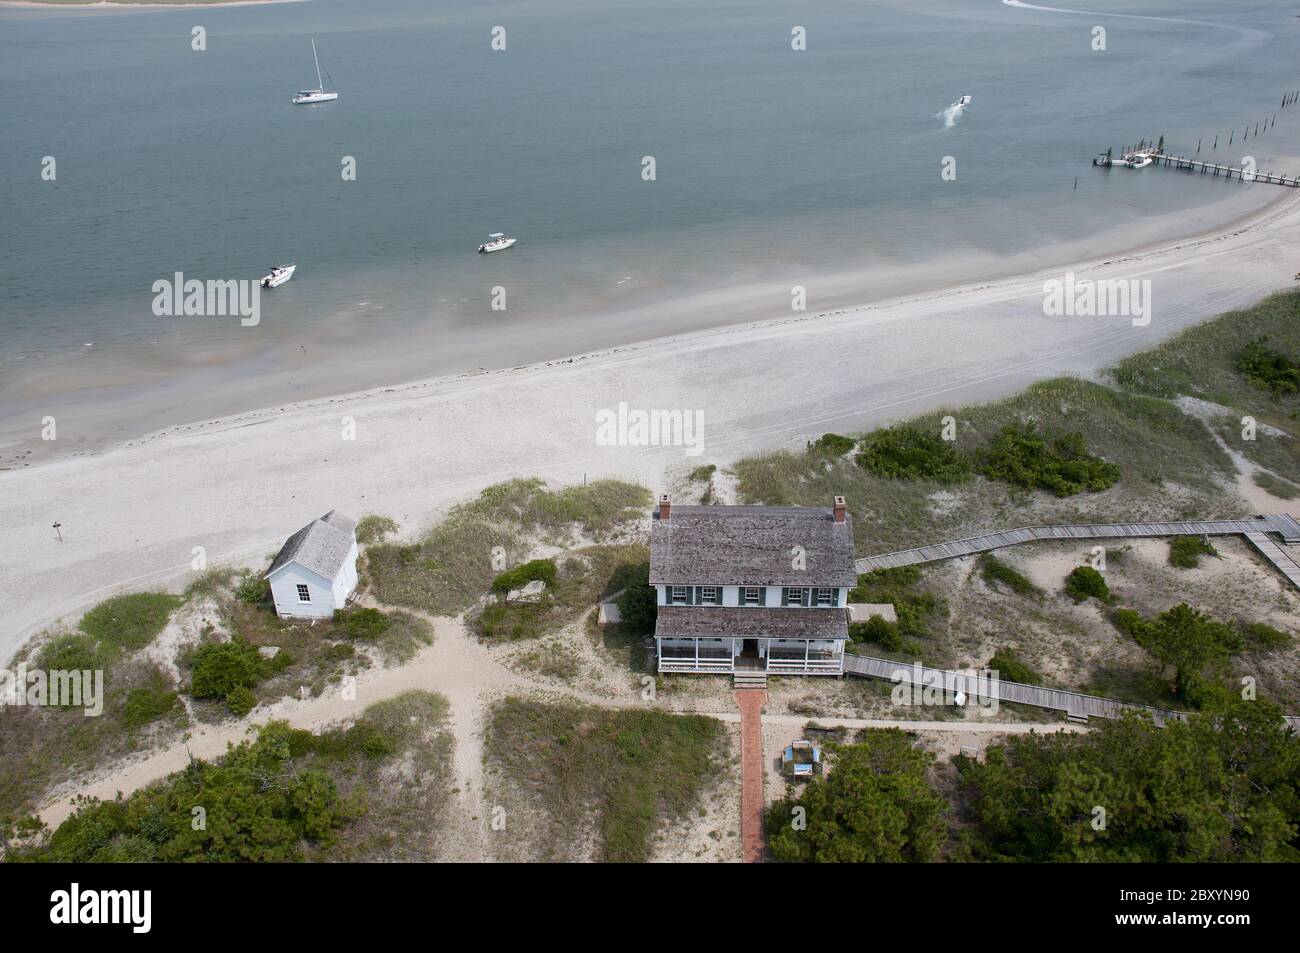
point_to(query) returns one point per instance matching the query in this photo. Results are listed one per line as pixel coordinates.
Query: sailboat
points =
(320, 94)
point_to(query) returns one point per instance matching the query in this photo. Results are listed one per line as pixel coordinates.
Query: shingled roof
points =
(702, 622)
(751, 546)
(320, 546)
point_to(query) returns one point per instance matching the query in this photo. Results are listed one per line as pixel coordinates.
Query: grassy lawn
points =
(630, 770)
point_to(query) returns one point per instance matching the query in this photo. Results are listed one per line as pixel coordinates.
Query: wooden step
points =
(749, 679)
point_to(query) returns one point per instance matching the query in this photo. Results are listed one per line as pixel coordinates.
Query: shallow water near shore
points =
(774, 169)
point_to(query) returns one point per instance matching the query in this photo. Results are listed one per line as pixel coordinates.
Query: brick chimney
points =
(839, 509)
(665, 504)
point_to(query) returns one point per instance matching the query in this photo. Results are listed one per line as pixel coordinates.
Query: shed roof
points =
(321, 546)
(751, 546)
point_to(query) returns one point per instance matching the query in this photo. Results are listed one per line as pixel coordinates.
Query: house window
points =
(679, 596)
(826, 597)
(304, 594)
(751, 596)
(795, 597)
(709, 595)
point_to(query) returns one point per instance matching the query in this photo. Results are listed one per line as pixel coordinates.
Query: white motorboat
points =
(1139, 161)
(964, 101)
(278, 276)
(496, 242)
(318, 95)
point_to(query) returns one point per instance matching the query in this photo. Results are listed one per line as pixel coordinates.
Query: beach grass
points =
(1201, 361)
(454, 564)
(627, 771)
(1170, 467)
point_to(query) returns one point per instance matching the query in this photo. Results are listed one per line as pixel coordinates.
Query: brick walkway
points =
(751, 701)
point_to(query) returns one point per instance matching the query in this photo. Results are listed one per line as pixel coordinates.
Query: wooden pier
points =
(1259, 532)
(1213, 168)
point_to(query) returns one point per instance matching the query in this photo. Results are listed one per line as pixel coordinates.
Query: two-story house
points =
(752, 587)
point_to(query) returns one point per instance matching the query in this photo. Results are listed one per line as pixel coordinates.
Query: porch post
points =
(806, 644)
(697, 654)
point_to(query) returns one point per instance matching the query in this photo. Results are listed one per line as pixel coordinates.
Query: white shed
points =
(316, 570)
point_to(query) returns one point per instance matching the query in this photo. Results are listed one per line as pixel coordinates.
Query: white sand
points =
(132, 515)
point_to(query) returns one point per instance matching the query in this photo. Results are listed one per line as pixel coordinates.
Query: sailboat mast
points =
(319, 84)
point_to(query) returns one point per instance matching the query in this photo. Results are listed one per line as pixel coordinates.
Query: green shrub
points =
(512, 621)
(638, 605)
(876, 805)
(340, 651)
(375, 529)
(252, 588)
(1267, 637)
(833, 444)
(145, 705)
(520, 576)
(1185, 552)
(71, 651)
(1011, 669)
(240, 701)
(130, 622)
(1268, 368)
(220, 668)
(906, 453)
(1021, 456)
(879, 630)
(1084, 582)
(1131, 623)
(995, 570)
(702, 474)
(363, 623)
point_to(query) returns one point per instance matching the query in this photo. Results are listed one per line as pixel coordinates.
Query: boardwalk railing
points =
(1283, 525)
(981, 688)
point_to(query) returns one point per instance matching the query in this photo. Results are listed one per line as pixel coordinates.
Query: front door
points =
(749, 648)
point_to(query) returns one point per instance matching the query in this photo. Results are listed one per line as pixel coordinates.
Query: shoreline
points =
(148, 407)
(237, 485)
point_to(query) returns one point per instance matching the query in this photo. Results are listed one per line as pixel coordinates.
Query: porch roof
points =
(699, 622)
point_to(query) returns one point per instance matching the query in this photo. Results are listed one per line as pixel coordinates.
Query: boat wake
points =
(1248, 31)
(950, 115)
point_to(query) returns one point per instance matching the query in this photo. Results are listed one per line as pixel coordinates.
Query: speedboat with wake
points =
(961, 103)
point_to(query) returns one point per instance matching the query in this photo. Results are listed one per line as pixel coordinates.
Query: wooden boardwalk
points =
(980, 690)
(1263, 528)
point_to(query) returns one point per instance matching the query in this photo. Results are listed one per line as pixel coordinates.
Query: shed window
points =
(304, 594)
(796, 597)
(679, 595)
(709, 595)
(752, 596)
(826, 597)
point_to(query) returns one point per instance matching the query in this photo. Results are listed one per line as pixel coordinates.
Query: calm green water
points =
(773, 166)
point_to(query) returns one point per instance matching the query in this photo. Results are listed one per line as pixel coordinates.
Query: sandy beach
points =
(132, 515)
